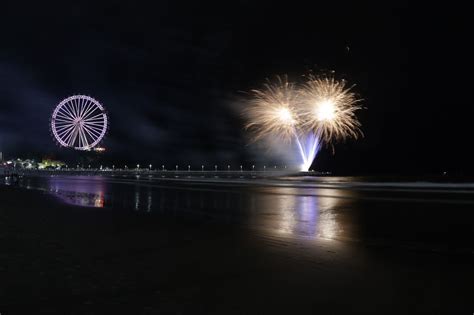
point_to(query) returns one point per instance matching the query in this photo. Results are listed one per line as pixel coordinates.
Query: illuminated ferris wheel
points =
(79, 122)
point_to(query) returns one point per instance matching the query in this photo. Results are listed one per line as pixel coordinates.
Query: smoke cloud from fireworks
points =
(321, 111)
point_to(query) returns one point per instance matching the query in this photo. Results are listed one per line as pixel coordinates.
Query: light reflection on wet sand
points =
(280, 211)
(292, 214)
(283, 210)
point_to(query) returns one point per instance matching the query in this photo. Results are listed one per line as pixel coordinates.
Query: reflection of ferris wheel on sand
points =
(79, 122)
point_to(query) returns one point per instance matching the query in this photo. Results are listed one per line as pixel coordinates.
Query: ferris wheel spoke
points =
(68, 108)
(92, 108)
(79, 139)
(70, 136)
(63, 124)
(94, 111)
(64, 114)
(101, 115)
(91, 135)
(62, 120)
(95, 131)
(80, 106)
(65, 133)
(75, 137)
(75, 103)
(99, 124)
(76, 106)
(66, 136)
(95, 117)
(97, 111)
(72, 107)
(97, 121)
(84, 106)
(93, 128)
(67, 111)
(62, 128)
(85, 103)
(88, 107)
(82, 136)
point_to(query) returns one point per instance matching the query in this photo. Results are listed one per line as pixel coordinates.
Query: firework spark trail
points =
(309, 150)
(322, 111)
(301, 150)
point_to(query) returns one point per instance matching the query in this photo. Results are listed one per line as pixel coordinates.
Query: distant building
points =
(22, 164)
(50, 164)
(1, 156)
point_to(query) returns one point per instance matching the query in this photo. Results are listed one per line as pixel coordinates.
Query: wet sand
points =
(65, 259)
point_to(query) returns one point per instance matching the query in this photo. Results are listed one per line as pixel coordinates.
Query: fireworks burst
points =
(322, 111)
(329, 109)
(272, 111)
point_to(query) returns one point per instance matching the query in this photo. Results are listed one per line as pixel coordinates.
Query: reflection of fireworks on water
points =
(323, 111)
(306, 216)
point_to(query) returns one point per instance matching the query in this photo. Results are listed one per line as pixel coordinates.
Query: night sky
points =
(172, 78)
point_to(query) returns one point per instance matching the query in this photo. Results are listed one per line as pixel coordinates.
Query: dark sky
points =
(171, 75)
